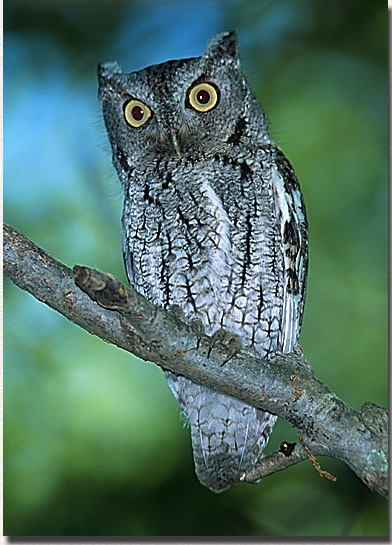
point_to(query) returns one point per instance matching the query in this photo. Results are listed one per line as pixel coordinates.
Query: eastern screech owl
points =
(214, 222)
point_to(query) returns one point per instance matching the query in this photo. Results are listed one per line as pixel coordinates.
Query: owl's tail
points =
(227, 435)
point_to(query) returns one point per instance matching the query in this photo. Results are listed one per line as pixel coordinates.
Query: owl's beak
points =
(176, 144)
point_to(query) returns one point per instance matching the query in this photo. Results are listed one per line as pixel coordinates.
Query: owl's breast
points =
(214, 254)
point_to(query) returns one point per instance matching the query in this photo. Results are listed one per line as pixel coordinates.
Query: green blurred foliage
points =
(93, 439)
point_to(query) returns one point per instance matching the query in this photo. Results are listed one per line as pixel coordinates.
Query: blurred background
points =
(93, 440)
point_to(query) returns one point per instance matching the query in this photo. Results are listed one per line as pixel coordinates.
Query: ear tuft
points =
(107, 71)
(223, 45)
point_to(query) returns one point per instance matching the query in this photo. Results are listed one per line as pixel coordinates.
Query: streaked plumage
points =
(214, 222)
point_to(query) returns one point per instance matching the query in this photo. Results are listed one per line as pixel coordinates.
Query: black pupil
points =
(203, 96)
(137, 113)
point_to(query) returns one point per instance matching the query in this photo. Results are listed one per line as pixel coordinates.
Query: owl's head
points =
(186, 108)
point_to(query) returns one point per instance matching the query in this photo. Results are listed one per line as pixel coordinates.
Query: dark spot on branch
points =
(287, 448)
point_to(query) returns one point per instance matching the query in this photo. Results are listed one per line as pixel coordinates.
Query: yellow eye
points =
(136, 113)
(203, 97)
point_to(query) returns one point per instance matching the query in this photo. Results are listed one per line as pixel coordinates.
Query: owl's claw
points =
(197, 328)
(299, 356)
(233, 342)
(235, 346)
(216, 338)
(297, 349)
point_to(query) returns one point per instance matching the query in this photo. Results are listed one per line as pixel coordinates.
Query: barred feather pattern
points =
(214, 222)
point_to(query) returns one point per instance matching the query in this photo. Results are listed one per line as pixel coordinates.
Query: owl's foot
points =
(232, 341)
(198, 329)
(235, 346)
(297, 356)
(297, 349)
(216, 338)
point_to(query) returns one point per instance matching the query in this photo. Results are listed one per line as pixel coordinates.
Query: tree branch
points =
(285, 386)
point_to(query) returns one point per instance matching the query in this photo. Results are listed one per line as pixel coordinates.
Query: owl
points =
(213, 222)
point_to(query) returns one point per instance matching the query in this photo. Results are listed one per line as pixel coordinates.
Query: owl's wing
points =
(128, 259)
(294, 235)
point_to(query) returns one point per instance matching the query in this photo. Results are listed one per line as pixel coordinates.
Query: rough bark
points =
(285, 386)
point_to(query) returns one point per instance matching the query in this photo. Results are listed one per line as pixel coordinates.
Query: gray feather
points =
(213, 222)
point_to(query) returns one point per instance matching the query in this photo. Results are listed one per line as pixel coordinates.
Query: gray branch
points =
(285, 386)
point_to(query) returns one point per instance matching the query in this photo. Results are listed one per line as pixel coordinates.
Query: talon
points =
(235, 346)
(232, 341)
(217, 337)
(197, 328)
(275, 354)
(297, 349)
